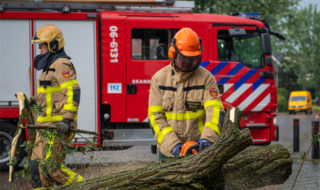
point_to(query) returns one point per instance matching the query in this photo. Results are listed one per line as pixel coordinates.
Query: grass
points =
(315, 109)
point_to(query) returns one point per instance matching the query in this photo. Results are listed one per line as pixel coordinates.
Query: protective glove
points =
(204, 143)
(63, 126)
(176, 150)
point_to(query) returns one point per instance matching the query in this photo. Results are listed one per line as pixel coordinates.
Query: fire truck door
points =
(239, 67)
(148, 41)
(80, 37)
(15, 62)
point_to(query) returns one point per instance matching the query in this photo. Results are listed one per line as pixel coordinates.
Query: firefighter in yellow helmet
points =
(184, 102)
(58, 94)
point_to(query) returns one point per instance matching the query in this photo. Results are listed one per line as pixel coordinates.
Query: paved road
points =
(309, 177)
(110, 161)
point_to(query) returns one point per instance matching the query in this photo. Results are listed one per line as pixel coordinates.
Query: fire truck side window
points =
(245, 49)
(150, 44)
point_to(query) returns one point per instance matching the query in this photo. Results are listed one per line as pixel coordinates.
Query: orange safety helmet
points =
(187, 42)
(186, 146)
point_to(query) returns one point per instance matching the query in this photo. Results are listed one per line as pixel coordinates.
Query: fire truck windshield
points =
(244, 48)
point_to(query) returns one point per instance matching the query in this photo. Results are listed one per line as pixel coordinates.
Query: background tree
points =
(298, 55)
(301, 50)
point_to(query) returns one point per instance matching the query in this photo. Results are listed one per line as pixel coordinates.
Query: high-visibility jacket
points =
(58, 93)
(184, 107)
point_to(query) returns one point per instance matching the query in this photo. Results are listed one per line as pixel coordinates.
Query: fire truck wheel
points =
(154, 149)
(7, 132)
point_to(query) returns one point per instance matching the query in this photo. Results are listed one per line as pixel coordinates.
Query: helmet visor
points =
(37, 40)
(194, 59)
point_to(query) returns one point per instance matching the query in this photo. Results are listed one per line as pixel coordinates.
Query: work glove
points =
(63, 126)
(176, 150)
(204, 143)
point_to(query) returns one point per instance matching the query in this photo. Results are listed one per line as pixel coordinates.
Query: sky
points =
(304, 3)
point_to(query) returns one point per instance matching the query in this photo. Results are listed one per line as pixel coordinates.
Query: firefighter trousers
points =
(46, 165)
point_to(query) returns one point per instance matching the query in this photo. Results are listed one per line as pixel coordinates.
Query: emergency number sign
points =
(114, 88)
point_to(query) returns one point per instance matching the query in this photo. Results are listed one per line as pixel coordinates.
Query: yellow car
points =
(300, 101)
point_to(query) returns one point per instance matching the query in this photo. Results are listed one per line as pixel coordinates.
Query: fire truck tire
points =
(7, 132)
(154, 149)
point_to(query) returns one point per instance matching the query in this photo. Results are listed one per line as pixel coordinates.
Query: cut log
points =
(258, 167)
(201, 171)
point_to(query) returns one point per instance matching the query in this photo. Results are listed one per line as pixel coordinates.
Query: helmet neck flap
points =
(43, 61)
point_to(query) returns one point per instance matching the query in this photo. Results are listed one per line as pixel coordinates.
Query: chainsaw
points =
(189, 148)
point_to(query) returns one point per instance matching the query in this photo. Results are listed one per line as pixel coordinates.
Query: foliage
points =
(282, 103)
(28, 146)
(315, 109)
(273, 10)
(283, 97)
(301, 51)
(284, 92)
(298, 56)
(50, 164)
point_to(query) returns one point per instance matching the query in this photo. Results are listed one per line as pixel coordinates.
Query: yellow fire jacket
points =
(183, 107)
(58, 93)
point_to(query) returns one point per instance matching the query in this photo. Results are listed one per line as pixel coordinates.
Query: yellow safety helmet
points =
(186, 42)
(51, 35)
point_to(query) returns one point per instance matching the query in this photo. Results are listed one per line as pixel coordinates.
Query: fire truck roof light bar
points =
(251, 15)
(179, 6)
(101, 1)
(65, 7)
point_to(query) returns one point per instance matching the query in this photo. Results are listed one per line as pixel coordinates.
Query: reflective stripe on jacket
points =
(183, 107)
(58, 93)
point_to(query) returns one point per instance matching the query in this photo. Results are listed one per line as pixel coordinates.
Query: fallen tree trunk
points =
(253, 168)
(201, 171)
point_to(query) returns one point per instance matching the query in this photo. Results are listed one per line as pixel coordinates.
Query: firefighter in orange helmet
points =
(58, 94)
(184, 102)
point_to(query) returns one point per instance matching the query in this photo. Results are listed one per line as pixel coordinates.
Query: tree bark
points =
(200, 171)
(253, 168)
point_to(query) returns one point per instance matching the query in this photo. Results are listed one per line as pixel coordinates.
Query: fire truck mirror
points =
(220, 87)
(268, 60)
(266, 43)
(237, 32)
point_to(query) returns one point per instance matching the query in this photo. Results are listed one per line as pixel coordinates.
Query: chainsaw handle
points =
(194, 149)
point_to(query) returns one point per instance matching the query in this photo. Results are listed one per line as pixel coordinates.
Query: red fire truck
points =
(117, 52)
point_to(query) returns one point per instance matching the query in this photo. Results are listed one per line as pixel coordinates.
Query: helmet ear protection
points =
(53, 45)
(173, 50)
